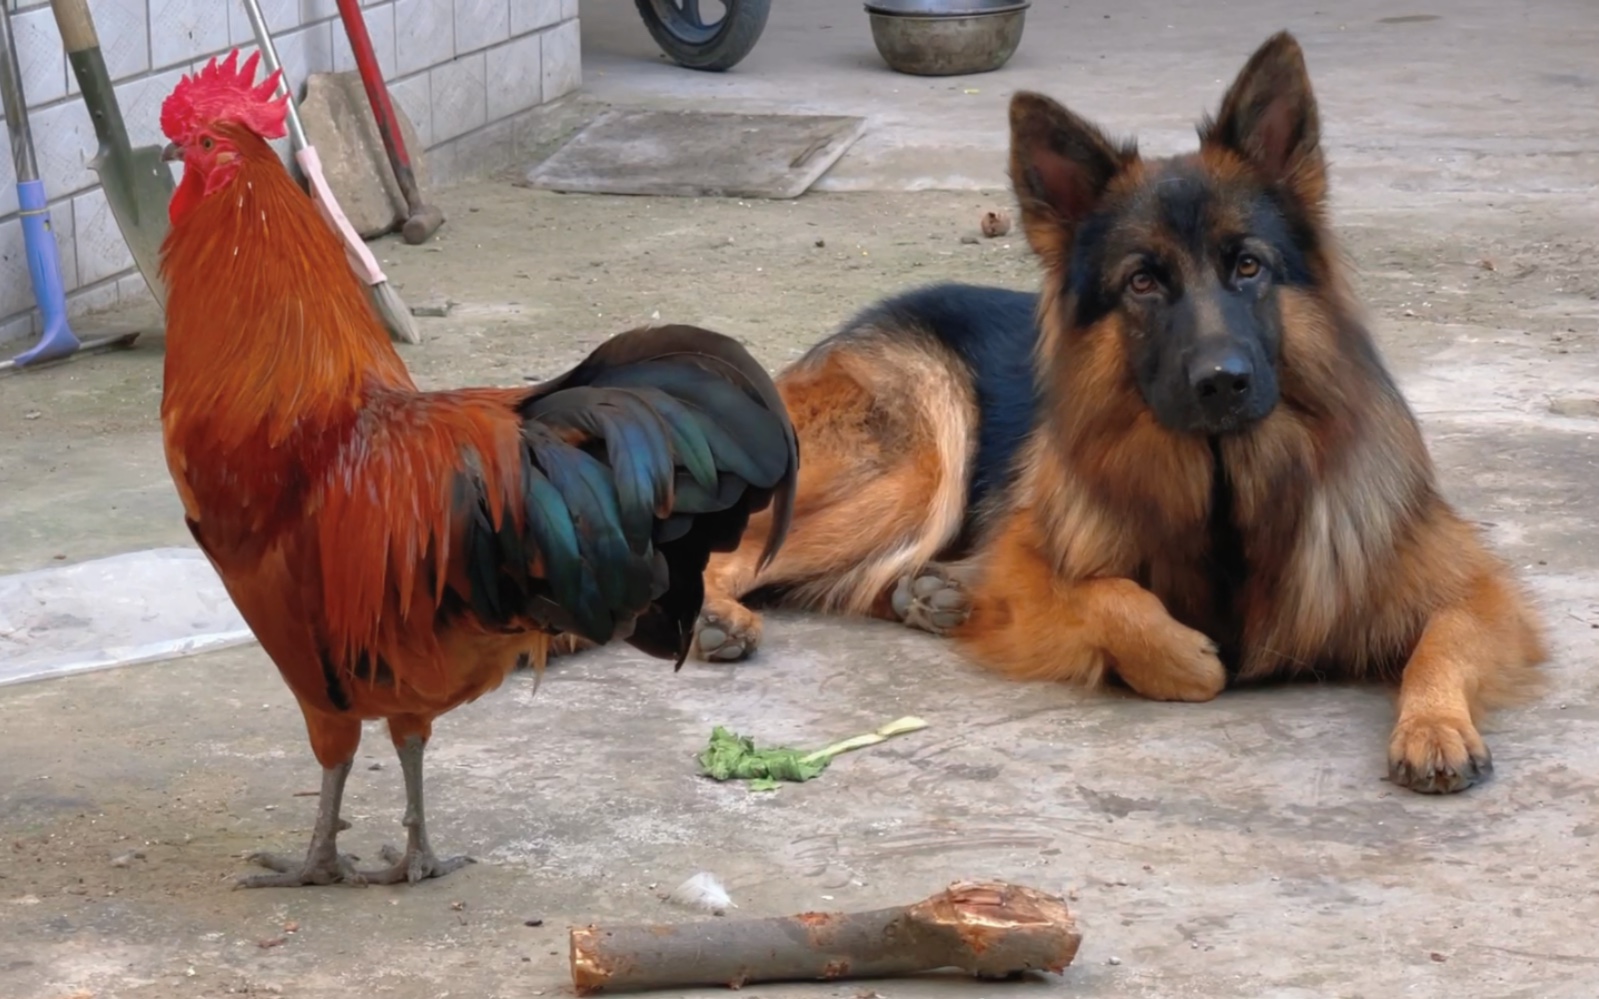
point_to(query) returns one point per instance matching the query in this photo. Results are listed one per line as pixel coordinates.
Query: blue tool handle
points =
(44, 266)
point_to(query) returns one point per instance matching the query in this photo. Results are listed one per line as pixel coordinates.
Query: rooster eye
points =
(206, 143)
(1248, 266)
(1141, 282)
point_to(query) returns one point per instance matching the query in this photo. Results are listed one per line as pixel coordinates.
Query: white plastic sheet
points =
(135, 608)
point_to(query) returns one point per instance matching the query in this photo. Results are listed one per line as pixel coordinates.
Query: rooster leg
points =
(323, 864)
(418, 861)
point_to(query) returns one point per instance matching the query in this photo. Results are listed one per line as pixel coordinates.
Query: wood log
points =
(986, 929)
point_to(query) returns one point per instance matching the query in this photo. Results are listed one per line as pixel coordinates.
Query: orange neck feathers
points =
(267, 325)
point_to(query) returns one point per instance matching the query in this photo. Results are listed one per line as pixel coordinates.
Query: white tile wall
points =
(460, 96)
(140, 100)
(8, 192)
(563, 69)
(61, 223)
(414, 95)
(456, 67)
(94, 298)
(123, 27)
(281, 16)
(101, 251)
(531, 15)
(63, 143)
(305, 51)
(318, 10)
(16, 329)
(424, 34)
(14, 294)
(481, 23)
(515, 72)
(380, 29)
(42, 62)
(184, 30)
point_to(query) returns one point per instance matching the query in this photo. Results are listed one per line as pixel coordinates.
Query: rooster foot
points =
(322, 864)
(414, 865)
(301, 872)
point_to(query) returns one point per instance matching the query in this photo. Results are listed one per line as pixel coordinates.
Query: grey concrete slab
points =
(1243, 847)
(698, 154)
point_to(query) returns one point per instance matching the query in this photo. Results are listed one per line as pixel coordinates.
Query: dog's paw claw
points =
(1437, 755)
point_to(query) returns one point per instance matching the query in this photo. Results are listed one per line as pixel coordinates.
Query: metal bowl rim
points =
(942, 15)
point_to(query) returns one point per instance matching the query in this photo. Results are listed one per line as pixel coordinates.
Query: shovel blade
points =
(138, 189)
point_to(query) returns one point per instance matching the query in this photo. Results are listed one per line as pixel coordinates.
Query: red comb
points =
(225, 92)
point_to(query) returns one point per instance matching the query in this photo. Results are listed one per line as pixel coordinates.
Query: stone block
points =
(339, 123)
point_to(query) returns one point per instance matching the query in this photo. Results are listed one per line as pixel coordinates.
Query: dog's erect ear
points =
(1060, 166)
(1269, 118)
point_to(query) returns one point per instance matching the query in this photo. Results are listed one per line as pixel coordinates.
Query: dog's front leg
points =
(1468, 651)
(1027, 622)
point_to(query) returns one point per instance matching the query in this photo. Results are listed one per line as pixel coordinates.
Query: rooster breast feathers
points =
(588, 504)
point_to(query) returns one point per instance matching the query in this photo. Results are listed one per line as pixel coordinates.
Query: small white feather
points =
(702, 892)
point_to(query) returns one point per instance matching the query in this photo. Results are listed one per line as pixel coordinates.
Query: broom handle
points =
(378, 95)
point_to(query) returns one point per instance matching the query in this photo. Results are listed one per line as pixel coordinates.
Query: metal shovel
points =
(137, 182)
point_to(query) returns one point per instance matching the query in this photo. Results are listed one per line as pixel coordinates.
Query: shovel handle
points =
(76, 25)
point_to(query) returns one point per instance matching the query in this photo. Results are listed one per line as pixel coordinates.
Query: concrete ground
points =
(1245, 847)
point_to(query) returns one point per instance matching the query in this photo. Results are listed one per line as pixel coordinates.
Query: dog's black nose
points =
(1221, 381)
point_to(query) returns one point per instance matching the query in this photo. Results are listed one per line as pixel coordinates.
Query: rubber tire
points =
(740, 29)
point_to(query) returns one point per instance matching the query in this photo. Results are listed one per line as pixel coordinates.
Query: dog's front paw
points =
(1435, 754)
(1179, 664)
(727, 632)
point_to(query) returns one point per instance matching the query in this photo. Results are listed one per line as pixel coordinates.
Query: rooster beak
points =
(173, 151)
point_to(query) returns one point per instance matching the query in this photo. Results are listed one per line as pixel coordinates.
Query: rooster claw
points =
(413, 866)
(295, 872)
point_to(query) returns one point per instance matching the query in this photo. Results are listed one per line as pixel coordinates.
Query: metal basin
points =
(946, 37)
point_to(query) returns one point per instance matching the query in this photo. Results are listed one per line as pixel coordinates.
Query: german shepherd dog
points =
(1181, 464)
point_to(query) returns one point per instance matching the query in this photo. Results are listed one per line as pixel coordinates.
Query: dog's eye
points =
(1248, 266)
(1141, 282)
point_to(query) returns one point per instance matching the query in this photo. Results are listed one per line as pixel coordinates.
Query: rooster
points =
(399, 552)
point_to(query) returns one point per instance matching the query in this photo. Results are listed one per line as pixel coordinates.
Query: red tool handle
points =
(372, 78)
